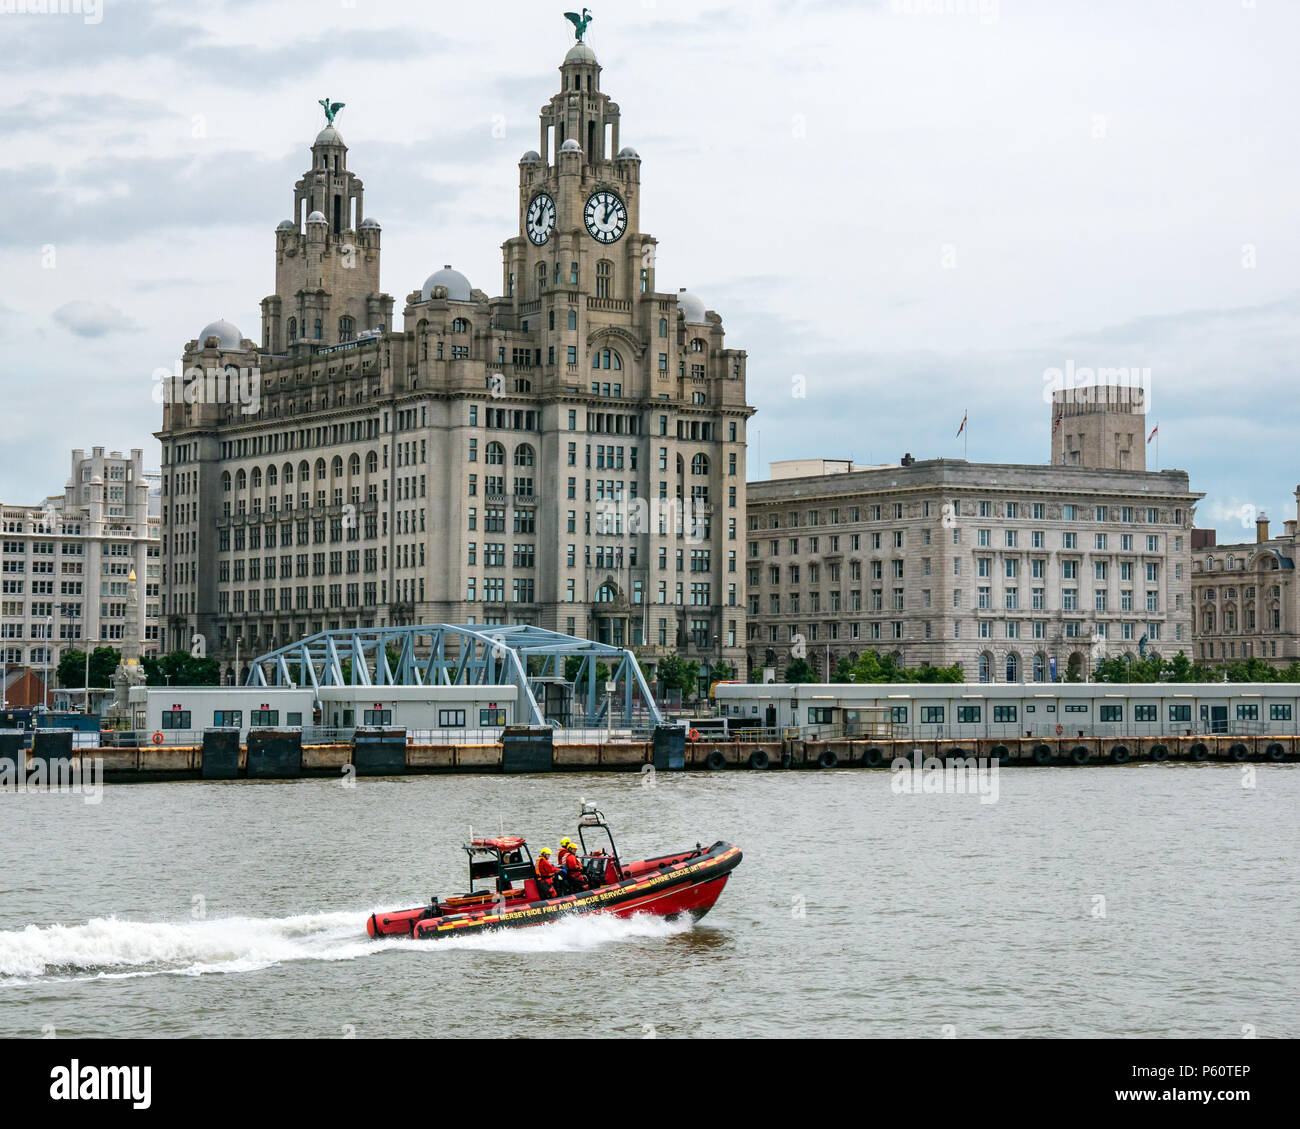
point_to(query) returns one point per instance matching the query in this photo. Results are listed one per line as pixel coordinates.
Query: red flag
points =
(1153, 433)
(963, 424)
(1059, 416)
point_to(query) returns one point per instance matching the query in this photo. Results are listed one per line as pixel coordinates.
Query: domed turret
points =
(317, 217)
(329, 136)
(286, 225)
(370, 222)
(227, 335)
(532, 157)
(692, 307)
(571, 146)
(456, 284)
(627, 153)
(580, 53)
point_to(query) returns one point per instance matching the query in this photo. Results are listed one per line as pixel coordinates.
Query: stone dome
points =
(286, 225)
(329, 136)
(317, 217)
(227, 335)
(627, 153)
(370, 221)
(458, 287)
(571, 146)
(692, 307)
(580, 53)
(532, 157)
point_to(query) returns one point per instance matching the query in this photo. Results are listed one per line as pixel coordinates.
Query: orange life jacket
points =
(546, 868)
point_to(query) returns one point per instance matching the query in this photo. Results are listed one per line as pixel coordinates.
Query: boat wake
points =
(111, 948)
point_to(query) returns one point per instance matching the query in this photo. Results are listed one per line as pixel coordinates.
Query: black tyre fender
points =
(715, 760)
(1042, 754)
(1120, 755)
(828, 759)
(758, 759)
(1080, 754)
(873, 758)
(1275, 752)
(1200, 751)
(954, 753)
(1239, 751)
(1159, 753)
(1001, 753)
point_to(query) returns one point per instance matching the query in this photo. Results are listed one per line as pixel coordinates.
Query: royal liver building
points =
(570, 454)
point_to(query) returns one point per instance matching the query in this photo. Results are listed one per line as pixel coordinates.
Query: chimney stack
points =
(1261, 529)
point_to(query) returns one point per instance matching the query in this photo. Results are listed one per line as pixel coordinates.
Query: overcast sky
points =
(919, 206)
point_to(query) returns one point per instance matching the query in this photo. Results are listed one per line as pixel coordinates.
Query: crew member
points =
(546, 872)
(572, 865)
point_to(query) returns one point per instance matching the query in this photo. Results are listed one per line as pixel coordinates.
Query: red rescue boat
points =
(688, 882)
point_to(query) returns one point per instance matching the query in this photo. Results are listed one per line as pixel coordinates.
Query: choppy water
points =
(238, 909)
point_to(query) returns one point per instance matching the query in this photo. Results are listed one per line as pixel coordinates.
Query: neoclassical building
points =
(525, 458)
(1018, 573)
(1245, 600)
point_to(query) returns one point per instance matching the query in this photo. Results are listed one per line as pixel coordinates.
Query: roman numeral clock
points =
(606, 216)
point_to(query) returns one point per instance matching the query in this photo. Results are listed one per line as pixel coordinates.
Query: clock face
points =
(606, 217)
(541, 218)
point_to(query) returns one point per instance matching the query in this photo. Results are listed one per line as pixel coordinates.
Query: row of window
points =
(1036, 511)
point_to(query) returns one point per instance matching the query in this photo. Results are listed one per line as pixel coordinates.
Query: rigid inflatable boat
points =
(687, 882)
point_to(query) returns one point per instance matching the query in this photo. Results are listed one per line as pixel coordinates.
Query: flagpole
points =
(965, 434)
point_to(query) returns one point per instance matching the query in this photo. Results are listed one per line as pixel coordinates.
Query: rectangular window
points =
(1004, 714)
(932, 715)
(264, 717)
(1279, 713)
(1247, 713)
(451, 719)
(492, 716)
(1113, 712)
(1184, 713)
(376, 717)
(968, 715)
(232, 718)
(1145, 713)
(176, 719)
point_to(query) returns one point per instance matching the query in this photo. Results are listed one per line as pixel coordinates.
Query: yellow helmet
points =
(544, 851)
(566, 842)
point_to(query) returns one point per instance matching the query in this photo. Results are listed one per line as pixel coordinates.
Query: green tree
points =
(180, 668)
(677, 673)
(723, 672)
(72, 667)
(800, 670)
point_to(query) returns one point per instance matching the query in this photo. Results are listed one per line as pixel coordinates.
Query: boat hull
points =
(687, 884)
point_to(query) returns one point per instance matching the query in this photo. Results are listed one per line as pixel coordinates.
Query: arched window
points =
(698, 345)
(604, 279)
(1232, 562)
(523, 455)
(606, 358)
(541, 278)
(354, 464)
(372, 462)
(288, 474)
(496, 455)
(225, 481)
(1209, 564)
(573, 319)
(663, 327)
(986, 667)
(241, 479)
(460, 325)
(255, 479)
(292, 332)
(700, 464)
(345, 329)
(1013, 668)
(271, 475)
(320, 470)
(606, 594)
(1040, 667)
(336, 466)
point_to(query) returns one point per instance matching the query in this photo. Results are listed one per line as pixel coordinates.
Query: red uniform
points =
(546, 872)
(572, 867)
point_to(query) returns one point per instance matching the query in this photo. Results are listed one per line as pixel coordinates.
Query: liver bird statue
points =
(331, 108)
(580, 22)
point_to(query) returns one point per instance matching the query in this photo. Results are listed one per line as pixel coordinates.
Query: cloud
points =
(93, 319)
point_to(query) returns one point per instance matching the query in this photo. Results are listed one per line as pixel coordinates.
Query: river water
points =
(1152, 900)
